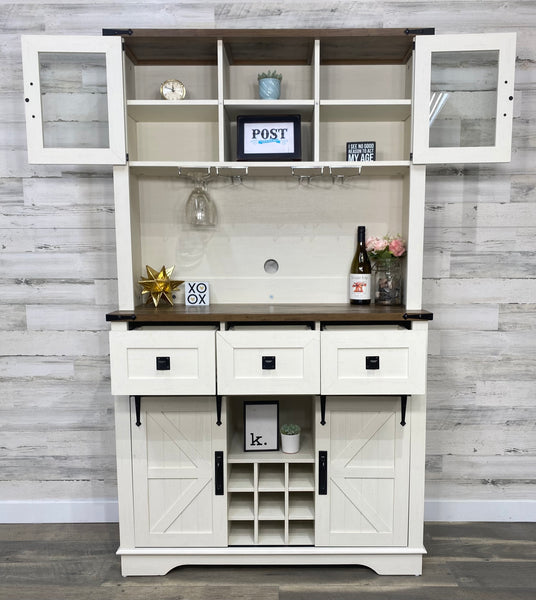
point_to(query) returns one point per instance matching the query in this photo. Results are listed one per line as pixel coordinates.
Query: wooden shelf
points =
(364, 110)
(301, 478)
(267, 313)
(173, 111)
(301, 506)
(241, 478)
(241, 507)
(238, 455)
(259, 107)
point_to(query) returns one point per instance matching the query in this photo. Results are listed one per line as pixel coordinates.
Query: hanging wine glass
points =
(200, 210)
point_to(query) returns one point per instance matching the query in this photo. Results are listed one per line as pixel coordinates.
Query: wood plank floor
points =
(467, 561)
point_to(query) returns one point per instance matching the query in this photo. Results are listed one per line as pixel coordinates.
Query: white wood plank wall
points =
(57, 278)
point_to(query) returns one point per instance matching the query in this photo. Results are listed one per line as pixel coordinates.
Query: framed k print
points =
(261, 425)
(274, 137)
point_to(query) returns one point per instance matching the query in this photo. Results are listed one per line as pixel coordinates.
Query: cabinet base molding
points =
(159, 561)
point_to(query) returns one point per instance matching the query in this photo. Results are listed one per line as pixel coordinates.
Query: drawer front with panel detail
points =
(157, 362)
(372, 360)
(268, 361)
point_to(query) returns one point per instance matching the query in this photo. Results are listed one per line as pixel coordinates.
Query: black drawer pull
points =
(372, 363)
(163, 363)
(268, 363)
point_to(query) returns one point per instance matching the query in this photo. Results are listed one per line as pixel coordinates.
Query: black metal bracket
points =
(322, 410)
(137, 403)
(403, 406)
(322, 473)
(418, 316)
(218, 411)
(121, 317)
(117, 32)
(422, 31)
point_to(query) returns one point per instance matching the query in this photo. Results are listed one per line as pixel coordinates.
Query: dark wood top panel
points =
(267, 46)
(266, 313)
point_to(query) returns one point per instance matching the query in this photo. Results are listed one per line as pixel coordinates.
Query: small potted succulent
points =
(269, 85)
(290, 438)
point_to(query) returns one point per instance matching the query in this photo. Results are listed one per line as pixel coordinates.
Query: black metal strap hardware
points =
(117, 32)
(137, 403)
(218, 410)
(422, 31)
(218, 472)
(418, 316)
(403, 406)
(322, 473)
(322, 410)
(121, 317)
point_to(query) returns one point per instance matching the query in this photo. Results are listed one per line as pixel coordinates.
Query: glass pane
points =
(463, 98)
(74, 100)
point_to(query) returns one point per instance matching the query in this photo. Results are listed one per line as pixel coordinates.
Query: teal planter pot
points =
(269, 89)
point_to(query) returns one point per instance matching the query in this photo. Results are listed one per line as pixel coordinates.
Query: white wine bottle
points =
(360, 272)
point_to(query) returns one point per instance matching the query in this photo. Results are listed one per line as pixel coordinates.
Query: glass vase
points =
(388, 281)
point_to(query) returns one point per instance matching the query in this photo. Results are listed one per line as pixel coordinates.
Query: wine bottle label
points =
(359, 286)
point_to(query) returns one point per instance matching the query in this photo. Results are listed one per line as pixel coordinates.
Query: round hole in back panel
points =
(271, 266)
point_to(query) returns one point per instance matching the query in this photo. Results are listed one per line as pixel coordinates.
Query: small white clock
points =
(172, 89)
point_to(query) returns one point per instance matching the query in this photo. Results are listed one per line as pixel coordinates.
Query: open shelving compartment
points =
(344, 88)
(271, 494)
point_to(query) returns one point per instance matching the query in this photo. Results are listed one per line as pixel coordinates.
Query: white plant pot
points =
(290, 444)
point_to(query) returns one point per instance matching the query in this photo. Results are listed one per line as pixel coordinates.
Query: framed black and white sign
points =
(261, 426)
(360, 151)
(274, 137)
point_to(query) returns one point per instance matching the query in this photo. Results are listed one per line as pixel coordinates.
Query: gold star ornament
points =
(159, 285)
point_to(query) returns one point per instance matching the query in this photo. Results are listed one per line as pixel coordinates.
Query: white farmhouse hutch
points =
(353, 377)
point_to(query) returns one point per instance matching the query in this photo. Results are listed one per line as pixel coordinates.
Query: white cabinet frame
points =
(505, 43)
(32, 46)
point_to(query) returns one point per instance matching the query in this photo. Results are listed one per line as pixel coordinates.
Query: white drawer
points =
(158, 362)
(373, 360)
(268, 361)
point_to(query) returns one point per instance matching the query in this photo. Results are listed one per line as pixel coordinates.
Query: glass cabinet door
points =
(463, 100)
(73, 93)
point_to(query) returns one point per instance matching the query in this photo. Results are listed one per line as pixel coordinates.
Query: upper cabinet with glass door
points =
(73, 92)
(463, 98)
(346, 85)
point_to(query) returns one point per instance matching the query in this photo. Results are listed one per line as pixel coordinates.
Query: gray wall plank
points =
(57, 267)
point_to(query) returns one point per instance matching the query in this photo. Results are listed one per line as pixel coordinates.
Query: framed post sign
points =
(274, 137)
(360, 151)
(261, 426)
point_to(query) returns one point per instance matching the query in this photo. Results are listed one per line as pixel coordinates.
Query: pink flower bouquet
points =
(386, 247)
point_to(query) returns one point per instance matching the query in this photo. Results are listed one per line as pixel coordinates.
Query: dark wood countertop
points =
(268, 313)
